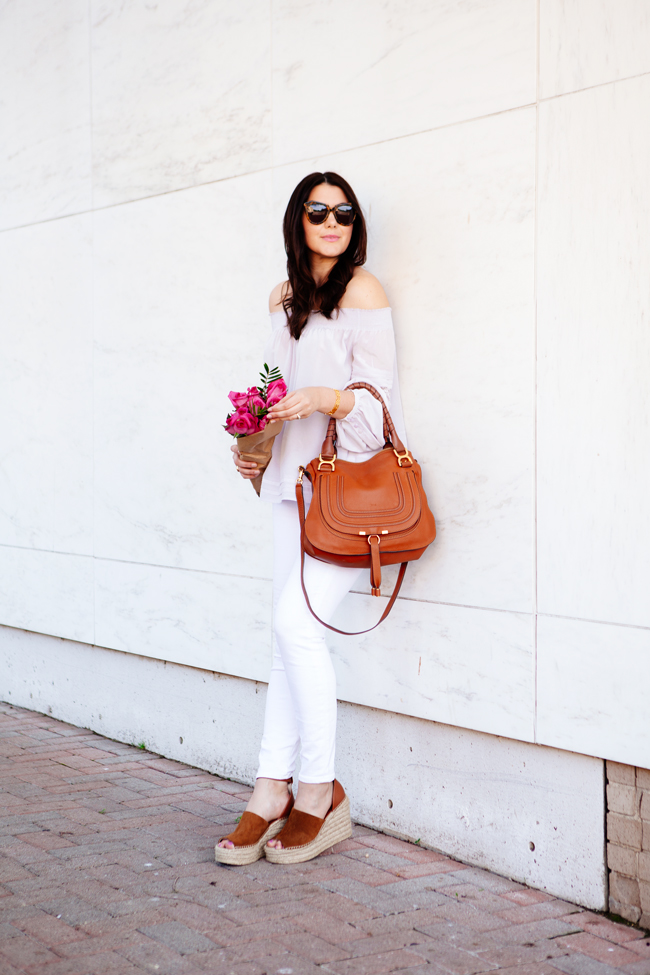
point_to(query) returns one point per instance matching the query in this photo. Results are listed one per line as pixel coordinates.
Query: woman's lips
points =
(330, 237)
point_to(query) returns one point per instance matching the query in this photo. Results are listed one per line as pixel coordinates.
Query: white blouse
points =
(356, 345)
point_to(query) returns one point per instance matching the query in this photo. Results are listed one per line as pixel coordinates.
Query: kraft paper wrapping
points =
(257, 448)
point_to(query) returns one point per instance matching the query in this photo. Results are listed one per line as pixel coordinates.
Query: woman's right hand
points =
(245, 467)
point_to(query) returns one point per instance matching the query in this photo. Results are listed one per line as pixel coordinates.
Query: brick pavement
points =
(107, 866)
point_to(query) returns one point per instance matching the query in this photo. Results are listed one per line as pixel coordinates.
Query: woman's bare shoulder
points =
(364, 291)
(276, 296)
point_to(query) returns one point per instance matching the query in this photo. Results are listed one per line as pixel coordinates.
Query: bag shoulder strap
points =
(391, 602)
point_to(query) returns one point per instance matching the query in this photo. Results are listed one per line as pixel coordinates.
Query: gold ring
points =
(297, 416)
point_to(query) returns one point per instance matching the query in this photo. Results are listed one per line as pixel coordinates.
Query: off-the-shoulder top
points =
(356, 345)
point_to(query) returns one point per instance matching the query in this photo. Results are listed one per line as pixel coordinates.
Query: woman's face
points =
(327, 239)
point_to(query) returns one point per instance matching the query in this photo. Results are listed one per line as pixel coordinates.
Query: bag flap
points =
(370, 498)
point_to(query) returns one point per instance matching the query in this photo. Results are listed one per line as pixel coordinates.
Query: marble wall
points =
(500, 152)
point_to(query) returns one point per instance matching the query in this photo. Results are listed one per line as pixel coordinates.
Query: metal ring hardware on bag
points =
(367, 514)
(402, 457)
(323, 462)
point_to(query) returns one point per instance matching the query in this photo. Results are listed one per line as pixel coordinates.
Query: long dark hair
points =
(304, 296)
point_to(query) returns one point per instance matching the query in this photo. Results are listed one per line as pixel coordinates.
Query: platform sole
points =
(336, 828)
(239, 856)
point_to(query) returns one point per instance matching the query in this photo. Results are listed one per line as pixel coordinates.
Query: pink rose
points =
(237, 399)
(275, 392)
(263, 420)
(255, 403)
(241, 423)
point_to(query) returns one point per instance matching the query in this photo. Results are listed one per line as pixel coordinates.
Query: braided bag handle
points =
(391, 437)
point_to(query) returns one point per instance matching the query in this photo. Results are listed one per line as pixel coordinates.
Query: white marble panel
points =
(46, 386)
(181, 318)
(592, 689)
(451, 225)
(473, 668)
(466, 667)
(594, 355)
(590, 42)
(348, 74)
(181, 94)
(45, 160)
(200, 619)
(47, 592)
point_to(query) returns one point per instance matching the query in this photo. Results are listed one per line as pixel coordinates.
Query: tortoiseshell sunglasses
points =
(344, 213)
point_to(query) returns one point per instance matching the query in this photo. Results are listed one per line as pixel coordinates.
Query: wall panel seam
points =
(584, 619)
(535, 365)
(242, 575)
(271, 83)
(600, 84)
(270, 169)
(92, 306)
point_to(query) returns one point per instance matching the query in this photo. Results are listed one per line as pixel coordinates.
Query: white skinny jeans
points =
(301, 699)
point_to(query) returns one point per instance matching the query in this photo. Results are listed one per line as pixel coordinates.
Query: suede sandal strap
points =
(300, 828)
(252, 827)
(249, 830)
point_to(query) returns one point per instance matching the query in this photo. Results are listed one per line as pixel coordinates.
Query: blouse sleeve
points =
(373, 362)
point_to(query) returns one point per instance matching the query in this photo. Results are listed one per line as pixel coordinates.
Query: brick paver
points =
(107, 865)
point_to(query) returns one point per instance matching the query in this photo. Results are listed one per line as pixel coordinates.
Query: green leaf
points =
(268, 376)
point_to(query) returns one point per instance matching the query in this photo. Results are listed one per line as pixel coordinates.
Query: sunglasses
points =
(344, 213)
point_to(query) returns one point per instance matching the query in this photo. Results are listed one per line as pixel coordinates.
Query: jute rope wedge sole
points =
(305, 836)
(250, 838)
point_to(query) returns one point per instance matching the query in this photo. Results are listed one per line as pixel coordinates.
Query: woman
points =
(331, 326)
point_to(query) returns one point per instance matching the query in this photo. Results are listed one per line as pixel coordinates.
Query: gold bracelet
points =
(337, 404)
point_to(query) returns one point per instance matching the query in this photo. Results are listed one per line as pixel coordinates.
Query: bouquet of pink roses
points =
(249, 423)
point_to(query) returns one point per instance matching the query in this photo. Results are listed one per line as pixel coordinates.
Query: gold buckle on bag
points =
(322, 461)
(301, 471)
(405, 456)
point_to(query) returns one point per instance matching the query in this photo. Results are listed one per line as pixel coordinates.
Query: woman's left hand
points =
(298, 405)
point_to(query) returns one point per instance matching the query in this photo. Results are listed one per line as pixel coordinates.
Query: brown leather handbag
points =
(368, 514)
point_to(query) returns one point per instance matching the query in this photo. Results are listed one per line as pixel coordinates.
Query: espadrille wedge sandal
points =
(305, 836)
(250, 837)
